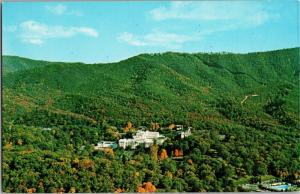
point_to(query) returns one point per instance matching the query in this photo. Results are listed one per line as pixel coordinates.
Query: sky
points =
(95, 32)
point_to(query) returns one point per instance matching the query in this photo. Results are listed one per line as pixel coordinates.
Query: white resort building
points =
(142, 137)
(105, 144)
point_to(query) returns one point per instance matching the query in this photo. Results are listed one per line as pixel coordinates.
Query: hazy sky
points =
(112, 31)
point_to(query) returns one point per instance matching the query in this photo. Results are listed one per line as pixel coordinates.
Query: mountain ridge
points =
(144, 80)
(148, 54)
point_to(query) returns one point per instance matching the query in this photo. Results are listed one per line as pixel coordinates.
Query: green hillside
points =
(15, 63)
(166, 83)
(83, 102)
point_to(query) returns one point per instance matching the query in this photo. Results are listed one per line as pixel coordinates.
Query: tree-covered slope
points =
(252, 100)
(15, 63)
(166, 83)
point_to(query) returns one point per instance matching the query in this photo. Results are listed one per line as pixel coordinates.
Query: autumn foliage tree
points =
(178, 153)
(140, 189)
(155, 126)
(109, 151)
(86, 163)
(163, 154)
(172, 126)
(119, 190)
(128, 126)
(112, 131)
(147, 187)
(31, 190)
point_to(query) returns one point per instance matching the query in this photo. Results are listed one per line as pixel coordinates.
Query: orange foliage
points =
(109, 151)
(155, 126)
(283, 174)
(178, 153)
(163, 154)
(172, 126)
(140, 190)
(119, 190)
(61, 190)
(128, 126)
(147, 187)
(190, 161)
(86, 163)
(295, 175)
(31, 190)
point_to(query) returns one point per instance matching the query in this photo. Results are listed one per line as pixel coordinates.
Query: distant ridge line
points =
(161, 53)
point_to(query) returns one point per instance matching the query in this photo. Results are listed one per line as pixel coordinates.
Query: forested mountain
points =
(15, 63)
(250, 99)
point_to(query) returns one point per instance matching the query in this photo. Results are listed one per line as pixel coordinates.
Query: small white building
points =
(105, 144)
(184, 134)
(179, 127)
(46, 129)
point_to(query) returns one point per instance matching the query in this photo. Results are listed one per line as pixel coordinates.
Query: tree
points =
(128, 126)
(179, 184)
(194, 182)
(169, 165)
(153, 152)
(86, 163)
(172, 126)
(163, 154)
(109, 152)
(140, 190)
(31, 190)
(275, 108)
(260, 168)
(178, 153)
(147, 187)
(155, 126)
(72, 190)
(166, 181)
(119, 190)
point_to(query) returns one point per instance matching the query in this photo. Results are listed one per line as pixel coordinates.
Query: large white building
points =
(142, 137)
